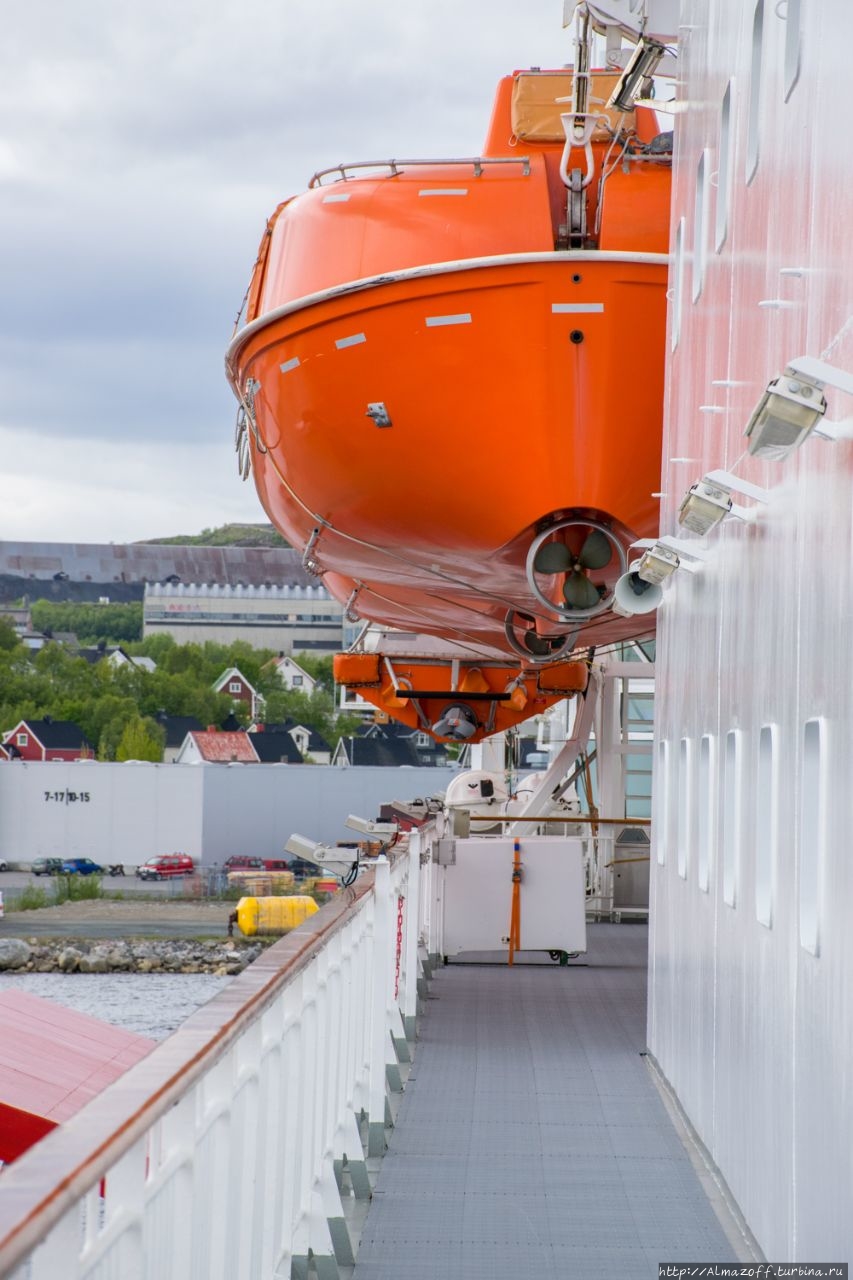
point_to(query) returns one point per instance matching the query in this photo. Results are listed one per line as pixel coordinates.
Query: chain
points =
(400, 901)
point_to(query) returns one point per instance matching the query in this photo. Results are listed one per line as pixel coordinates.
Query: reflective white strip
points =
(335, 199)
(576, 308)
(289, 364)
(463, 318)
(562, 258)
(444, 191)
(352, 341)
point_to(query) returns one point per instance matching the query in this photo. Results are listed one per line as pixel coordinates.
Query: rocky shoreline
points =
(127, 955)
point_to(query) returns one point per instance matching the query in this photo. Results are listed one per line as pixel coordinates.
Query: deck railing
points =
(223, 1153)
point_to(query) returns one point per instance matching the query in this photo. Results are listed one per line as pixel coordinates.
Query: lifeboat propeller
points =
(567, 553)
(533, 645)
(456, 722)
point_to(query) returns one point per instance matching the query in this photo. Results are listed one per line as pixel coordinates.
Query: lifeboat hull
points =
(417, 430)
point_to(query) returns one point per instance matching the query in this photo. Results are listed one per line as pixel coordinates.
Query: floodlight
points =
(378, 829)
(705, 505)
(636, 80)
(657, 564)
(302, 847)
(790, 408)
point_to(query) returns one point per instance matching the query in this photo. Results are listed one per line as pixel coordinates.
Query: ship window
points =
(732, 806)
(707, 809)
(767, 816)
(724, 172)
(685, 805)
(792, 46)
(812, 830)
(677, 284)
(660, 793)
(700, 225)
(753, 122)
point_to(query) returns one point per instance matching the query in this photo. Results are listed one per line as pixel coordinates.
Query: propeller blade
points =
(536, 644)
(596, 551)
(552, 557)
(579, 592)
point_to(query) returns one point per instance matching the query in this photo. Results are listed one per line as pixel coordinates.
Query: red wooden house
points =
(48, 739)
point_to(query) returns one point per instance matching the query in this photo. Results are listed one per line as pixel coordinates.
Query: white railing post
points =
(409, 1003)
(379, 1027)
(223, 1150)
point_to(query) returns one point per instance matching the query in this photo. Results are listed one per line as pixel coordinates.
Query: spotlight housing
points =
(657, 564)
(789, 410)
(636, 80)
(705, 505)
(378, 829)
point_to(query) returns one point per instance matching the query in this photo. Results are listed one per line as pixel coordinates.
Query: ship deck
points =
(532, 1140)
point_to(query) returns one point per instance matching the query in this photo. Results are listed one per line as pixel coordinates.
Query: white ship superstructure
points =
(751, 950)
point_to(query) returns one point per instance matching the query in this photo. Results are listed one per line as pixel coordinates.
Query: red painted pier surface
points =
(52, 1062)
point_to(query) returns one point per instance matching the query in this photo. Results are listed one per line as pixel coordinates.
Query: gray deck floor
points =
(531, 1140)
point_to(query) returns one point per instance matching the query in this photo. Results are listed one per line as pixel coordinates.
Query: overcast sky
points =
(142, 146)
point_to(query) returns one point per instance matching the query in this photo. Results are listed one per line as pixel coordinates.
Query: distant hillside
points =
(228, 535)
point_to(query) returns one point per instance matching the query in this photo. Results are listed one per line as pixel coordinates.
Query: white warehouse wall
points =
(751, 950)
(134, 811)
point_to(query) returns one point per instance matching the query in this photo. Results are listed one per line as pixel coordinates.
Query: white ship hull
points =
(751, 950)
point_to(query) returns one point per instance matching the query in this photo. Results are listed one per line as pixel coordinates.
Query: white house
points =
(311, 744)
(291, 675)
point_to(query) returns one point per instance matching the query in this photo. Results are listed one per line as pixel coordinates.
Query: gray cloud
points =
(144, 147)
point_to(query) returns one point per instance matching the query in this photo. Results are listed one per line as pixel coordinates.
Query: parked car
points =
(243, 863)
(240, 863)
(4, 866)
(46, 866)
(166, 865)
(81, 867)
(302, 868)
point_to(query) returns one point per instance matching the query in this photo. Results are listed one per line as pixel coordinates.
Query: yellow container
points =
(281, 880)
(273, 915)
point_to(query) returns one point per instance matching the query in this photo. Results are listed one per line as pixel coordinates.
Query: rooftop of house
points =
(177, 727)
(224, 748)
(275, 748)
(233, 673)
(316, 741)
(61, 735)
(379, 751)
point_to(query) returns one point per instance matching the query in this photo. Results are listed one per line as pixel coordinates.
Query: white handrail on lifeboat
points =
(477, 162)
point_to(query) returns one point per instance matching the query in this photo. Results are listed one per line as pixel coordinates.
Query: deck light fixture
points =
(302, 847)
(382, 830)
(704, 506)
(657, 564)
(636, 80)
(793, 406)
(707, 503)
(789, 410)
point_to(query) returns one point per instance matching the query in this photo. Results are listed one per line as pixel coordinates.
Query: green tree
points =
(113, 623)
(8, 636)
(142, 739)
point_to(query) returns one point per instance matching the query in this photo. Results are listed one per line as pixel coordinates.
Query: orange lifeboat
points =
(450, 380)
